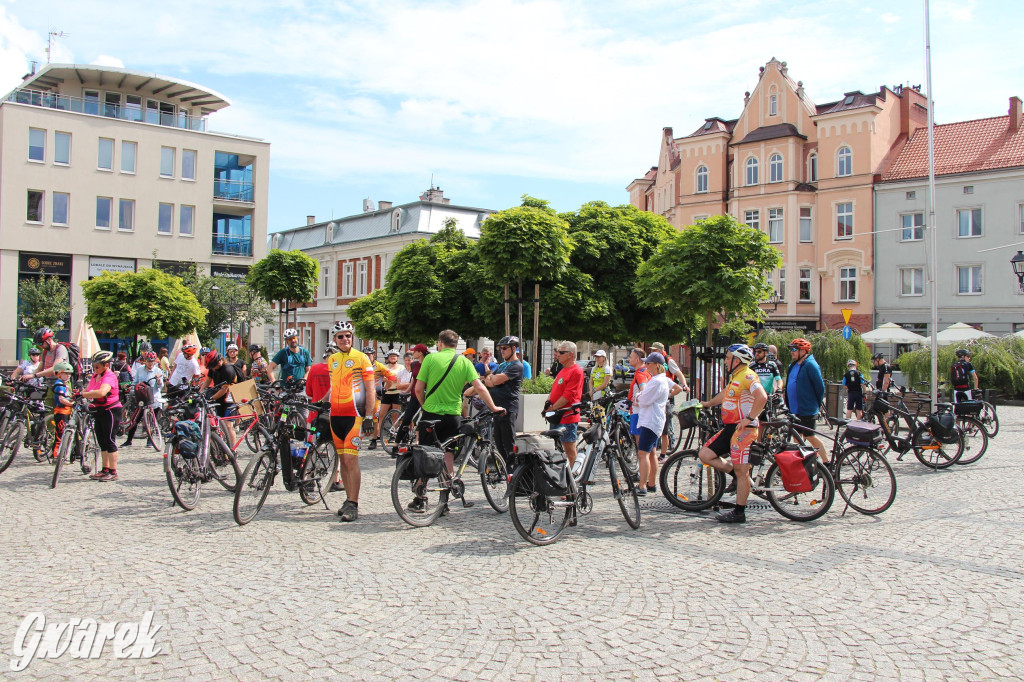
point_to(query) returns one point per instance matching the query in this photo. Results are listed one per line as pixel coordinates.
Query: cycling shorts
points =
(733, 441)
(345, 431)
(391, 399)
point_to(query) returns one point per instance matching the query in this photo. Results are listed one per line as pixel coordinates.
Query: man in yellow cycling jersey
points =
(352, 397)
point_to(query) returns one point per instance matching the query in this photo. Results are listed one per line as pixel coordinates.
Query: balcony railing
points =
(233, 190)
(95, 107)
(231, 245)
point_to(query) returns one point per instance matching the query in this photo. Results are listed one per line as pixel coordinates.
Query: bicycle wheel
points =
(624, 489)
(975, 439)
(63, 455)
(419, 503)
(254, 439)
(690, 484)
(672, 430)
(156, 437)
(536, 517)
(43, 445)
(223, 464)
(806, 506)
(317, 470)
(932, 453)
(627, 446)
(254, 486)
(10, 443)
(494, 477)
(90, 449)
(989, 419)
(182, 478)
(865, 480)
(389, 428)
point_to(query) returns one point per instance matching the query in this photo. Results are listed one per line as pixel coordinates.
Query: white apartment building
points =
(102, 167)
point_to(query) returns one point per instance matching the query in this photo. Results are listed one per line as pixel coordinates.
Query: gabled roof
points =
(714, 125)
(772, 132)
(851, 100)
(962, 147)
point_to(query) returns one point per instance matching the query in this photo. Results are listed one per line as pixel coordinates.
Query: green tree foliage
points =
(998, 362)
(712, 270)
(44, 301)
(145, 303)
(370, 314)
(285, 276)
(528, 243)
(609, 243)
(829, 348)
(238, 306)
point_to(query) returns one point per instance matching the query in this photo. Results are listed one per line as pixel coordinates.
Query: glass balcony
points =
(233, 190)
(231, 245)
(95, 107)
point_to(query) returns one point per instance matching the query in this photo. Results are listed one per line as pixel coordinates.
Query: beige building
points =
(803, 173)
(102, 167)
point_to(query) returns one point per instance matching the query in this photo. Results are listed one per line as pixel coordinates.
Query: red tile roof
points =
(964, 147)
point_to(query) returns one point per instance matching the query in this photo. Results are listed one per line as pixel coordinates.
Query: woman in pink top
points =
(106, 403)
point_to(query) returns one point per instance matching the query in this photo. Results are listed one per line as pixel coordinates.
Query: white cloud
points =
(890, 18)
(107, 60)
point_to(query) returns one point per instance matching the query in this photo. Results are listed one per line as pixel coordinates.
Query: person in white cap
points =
(233, 359)
(600, 376)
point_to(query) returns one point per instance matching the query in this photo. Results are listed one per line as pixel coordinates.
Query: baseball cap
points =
(656, 358)
(469, 351)
(421, 348)
(658, 345)
(600, 354)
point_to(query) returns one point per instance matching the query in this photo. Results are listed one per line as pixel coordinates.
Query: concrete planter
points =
(529, 419)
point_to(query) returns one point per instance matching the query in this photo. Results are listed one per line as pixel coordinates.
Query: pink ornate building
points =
(802, 172)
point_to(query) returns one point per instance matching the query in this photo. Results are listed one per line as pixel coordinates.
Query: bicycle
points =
(135, 412)
(213, 459)
(78, 442)
(968, 420)
(431, 489)
(600, 448)
(23, 412)
(303, 452)
(928, 449)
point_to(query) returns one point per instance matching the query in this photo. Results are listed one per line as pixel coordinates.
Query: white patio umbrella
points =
(188, 338)
(85, 338)
(890, 332)
(959, 332)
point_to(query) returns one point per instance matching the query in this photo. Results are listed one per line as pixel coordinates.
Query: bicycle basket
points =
(427, 462)
(144, 394)
(970, 408)
(863, 433)
(550, 473)
(943, 427)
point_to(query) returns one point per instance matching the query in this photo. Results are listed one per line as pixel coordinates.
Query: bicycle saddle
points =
(837, 422)
(552, 433)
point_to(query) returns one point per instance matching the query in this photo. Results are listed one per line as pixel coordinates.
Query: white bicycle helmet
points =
(742, 353)
(290, 333)
(330, 350)
(344, 326)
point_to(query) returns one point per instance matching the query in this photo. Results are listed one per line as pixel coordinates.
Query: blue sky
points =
(563, 100)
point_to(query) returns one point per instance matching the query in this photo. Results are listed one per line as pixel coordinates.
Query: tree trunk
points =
(536, 326)
(521, 311)
(508, 323)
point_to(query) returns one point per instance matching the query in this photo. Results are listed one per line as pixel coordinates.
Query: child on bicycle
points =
(62, 403)
(148, 380)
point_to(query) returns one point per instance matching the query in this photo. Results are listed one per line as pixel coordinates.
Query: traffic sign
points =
(846, 315)
(847, 332)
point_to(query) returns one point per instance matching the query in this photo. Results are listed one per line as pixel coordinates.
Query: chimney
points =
(1015, 113)
(434, 195)
(381, 205)
(310, 219)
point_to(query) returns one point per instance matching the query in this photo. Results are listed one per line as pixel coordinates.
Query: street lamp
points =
(1017, 263)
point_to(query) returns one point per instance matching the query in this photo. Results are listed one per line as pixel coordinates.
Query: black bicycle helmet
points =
(41, 335)
(962, 352)
(761, 346)
(878, 356)
(255, 348)
(512, 341)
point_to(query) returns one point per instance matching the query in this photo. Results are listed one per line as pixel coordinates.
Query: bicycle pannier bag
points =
(427, 462)
(797, 469)
(971, 408)
(863, 433)
(551, 473)
(409, 473)
(943, 427)
(187, 436)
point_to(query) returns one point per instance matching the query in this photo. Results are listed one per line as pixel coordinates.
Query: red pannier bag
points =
(796, 464)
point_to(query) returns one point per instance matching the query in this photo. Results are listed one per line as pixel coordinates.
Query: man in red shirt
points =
(567, 390)
(318, 381)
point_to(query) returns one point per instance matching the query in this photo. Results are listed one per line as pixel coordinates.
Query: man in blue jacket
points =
(804, 390)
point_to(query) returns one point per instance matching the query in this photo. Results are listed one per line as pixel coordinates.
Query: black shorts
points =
(391, 399)
(221, 407)
(447, 426)
(721, 442)
(855, 400)
(806, 422)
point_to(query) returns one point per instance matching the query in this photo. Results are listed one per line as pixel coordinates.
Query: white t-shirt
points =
(405, 377)
(184, 368)
(651, 403)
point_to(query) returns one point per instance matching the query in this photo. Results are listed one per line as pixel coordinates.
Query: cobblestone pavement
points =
(930, 590)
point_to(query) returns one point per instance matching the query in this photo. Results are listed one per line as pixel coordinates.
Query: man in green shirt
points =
(439, 390)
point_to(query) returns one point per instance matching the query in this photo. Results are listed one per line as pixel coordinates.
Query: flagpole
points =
(932, 231)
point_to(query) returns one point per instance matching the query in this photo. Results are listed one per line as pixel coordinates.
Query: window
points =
(346, 281)
(62, 148)
(773, 105)
(1020, 217)
(805, 285)
(775, 168)
(325, 289)
(776, 224)
(813, 168)
(167, 162)
(105, 160)
(36, 144)
(968, 279)
(847, 284)
(188, 164)
(126, 215)
(911, 195)
(969, 222)
(844, 220)
(133, 107)
(806, 224)
(111, 104)
(61, 203)
(753, 219)
(34, 214)
(702, 179)
(103, 209)
(186, 220)
(152, 111)
(911, 281)
(128, 150)
(782, 284)
(165, 216)
(968, 189)
(698, 218)
(752, 171)
(913, 227)
(361, 278)
(845, 166)
(91, 102)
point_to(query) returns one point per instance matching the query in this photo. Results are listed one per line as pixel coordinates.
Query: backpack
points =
(550, 473)
(959, 374)
(187, 436)
(796, 464)
(74, 359)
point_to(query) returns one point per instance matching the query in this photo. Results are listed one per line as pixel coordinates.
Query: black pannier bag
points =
(863, 433)
(550, 473)
(427, 462)
(970, 408)
(943, 427)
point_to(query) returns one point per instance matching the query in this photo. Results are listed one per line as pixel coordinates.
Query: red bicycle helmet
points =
(800, 344)
(212, 357)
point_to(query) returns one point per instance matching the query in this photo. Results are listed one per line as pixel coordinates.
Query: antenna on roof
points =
(49, 41)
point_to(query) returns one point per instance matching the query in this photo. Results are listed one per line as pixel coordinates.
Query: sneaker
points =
(373, 443)
(732, 516)
(99, 474)
(348, 511)
(336, 487)
(641, 491)
(417, 506)
(127, 443)
(149, 443)
(652, 488)
(110, 475)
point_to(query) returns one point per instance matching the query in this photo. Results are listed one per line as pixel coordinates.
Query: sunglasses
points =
(562, 352)
(343, 336)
